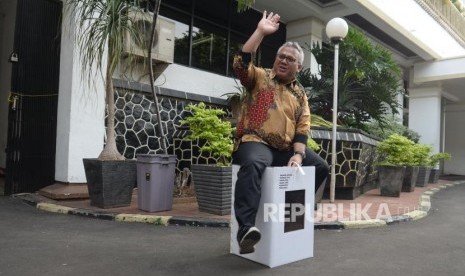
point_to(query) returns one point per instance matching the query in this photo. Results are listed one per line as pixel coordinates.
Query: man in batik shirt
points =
(273, 126)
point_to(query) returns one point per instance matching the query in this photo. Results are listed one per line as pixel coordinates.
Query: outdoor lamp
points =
(336, 29)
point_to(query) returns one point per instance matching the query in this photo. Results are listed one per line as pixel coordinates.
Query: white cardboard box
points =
(287, 234)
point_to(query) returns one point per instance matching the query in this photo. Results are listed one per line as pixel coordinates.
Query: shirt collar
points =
(292, 83)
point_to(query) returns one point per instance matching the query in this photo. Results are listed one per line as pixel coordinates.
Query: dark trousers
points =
(254, 157)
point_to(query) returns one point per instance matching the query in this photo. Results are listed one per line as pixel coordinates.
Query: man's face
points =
(286, 65)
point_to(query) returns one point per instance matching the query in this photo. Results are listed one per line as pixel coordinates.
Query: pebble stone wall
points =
(136, 127)
(355, 159)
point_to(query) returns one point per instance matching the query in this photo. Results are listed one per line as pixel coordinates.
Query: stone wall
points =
(355, 159)
(136, 124)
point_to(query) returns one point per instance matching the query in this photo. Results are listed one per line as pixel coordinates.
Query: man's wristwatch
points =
(301, 153)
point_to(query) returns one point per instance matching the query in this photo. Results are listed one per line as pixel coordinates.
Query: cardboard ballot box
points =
(284, 218)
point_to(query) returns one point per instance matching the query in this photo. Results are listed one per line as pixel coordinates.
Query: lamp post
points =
(336, 29)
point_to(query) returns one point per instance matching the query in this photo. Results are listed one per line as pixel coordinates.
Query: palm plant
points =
(369, 82)
(102, 27)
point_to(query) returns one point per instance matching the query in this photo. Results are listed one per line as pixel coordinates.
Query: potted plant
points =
(413, 166)
(212, 183)
(421, 155)
(434, 162)
(396, 151)
(102, 26)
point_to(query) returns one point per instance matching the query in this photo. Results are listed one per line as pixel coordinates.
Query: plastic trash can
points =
(155, 181)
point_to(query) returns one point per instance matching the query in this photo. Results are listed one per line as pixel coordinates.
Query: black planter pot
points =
(390, 180)
(213, 186)
(110, 183)
(410, 178)
(434, 176)
(423, 177)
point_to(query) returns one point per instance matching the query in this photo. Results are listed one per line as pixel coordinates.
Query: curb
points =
(424, 208)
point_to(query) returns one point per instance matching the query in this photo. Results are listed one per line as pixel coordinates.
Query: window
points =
(209, 47)
(209, 33)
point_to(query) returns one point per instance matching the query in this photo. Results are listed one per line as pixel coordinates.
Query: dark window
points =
(209, 33)
(182, 19)
(209, 47)
(216, 11)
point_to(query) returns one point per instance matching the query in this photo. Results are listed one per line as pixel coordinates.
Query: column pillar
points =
(425, 115)
(80, 122)
(306, 32)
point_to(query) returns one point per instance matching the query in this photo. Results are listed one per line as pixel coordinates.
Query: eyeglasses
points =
(289, 59)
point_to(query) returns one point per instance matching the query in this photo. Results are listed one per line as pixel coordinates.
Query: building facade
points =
(429, 47)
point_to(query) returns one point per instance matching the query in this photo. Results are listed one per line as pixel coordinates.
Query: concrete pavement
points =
(368, 210)
(36, 242)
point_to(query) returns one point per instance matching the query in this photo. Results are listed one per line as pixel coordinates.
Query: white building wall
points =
(7, 23)
(425, 115)
(80, 122)
(454, 139)
(182, 78)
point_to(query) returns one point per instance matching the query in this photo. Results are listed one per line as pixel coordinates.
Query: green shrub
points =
(397, 150)
(389, 127)
(421, 153)
(206, 124)
(311, 144)
(319, 121)
(435, 158)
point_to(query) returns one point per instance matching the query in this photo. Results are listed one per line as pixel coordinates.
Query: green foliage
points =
(435, 158)
(457, 5)
(390, 127)
(206, 124)
(236, 96)
(243, 5)
(311, 144)
(104, 25)
(319, 121)
(368, 85)
(421, 155)
(397, 151)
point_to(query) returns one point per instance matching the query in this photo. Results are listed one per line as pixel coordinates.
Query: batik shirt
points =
(272, 112)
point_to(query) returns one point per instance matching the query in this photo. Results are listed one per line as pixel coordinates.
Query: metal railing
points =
(447, 15)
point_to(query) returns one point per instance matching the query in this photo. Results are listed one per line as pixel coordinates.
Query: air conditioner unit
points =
(163, 48)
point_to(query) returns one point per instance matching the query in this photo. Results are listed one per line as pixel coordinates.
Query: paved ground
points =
(35, 242)
(368, 210)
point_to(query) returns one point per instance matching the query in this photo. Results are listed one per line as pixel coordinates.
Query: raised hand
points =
(268, 24)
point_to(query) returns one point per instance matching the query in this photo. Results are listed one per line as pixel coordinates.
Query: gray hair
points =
(296, 46)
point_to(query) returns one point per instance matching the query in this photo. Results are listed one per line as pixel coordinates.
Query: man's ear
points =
(299, 67)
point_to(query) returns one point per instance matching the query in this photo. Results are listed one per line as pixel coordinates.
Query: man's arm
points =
(267, 25)
(301, 136)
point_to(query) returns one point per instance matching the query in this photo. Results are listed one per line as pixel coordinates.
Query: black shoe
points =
(249, 240)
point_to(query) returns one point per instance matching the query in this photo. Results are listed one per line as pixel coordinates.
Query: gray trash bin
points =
(155, 181)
